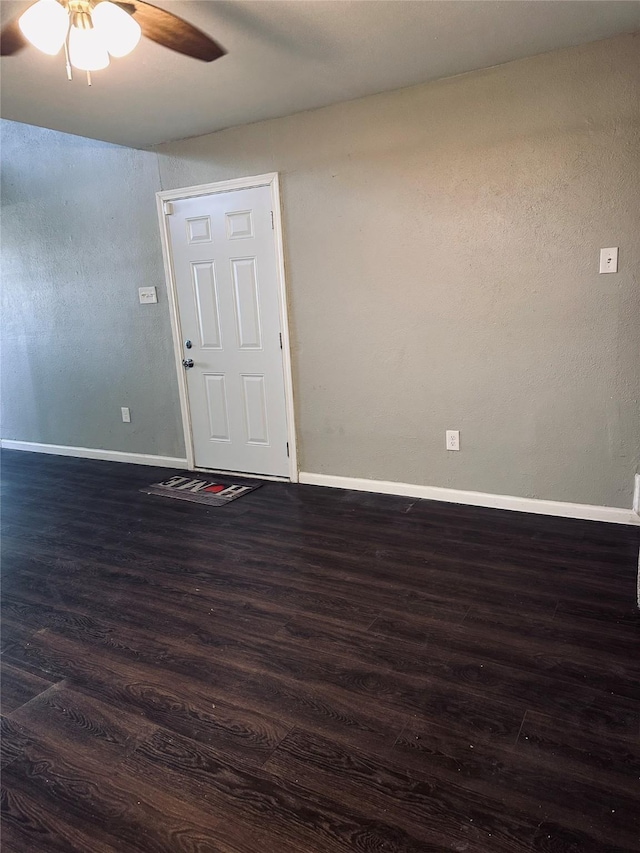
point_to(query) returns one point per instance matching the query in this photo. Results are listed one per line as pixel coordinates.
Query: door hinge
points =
(272, 220)
(167, 206)
(280, 336)
(287, 448)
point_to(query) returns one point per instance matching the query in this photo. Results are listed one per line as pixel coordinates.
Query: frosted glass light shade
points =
(45, 24)
(87, 50)
(118, 30)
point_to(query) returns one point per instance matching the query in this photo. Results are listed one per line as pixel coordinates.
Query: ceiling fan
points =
(92, 31)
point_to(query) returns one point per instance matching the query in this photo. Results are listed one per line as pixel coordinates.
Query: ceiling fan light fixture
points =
(87, 50)
(45, 25)
(120, 33)
(53, 24)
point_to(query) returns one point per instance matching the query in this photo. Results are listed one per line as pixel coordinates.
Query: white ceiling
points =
(290, 56)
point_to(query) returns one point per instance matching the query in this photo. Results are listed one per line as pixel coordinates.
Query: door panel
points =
(216, 393)
(205, 292)
(224, 263)
(255, 409)
(245, 291)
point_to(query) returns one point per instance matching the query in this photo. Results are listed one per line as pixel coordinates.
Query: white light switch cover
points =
(147, 295)
(609, 260)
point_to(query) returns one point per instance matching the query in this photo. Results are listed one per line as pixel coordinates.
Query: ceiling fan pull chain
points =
(88, 78)
(68, 61)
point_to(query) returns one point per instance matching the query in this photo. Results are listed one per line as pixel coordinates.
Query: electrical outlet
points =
(126, 415)
(453, 439)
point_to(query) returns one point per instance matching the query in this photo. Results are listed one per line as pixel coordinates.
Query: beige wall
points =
(442, 252)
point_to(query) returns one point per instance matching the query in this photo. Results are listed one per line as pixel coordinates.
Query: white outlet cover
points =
(453, 439)
(147, 295)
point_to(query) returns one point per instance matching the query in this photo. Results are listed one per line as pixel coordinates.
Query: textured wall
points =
(442, 255)
(79, 236)
(441, 246)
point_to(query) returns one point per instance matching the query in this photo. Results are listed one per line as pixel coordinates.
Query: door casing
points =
(269, 180)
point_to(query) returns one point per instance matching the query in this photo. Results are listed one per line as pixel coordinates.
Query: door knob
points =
(187, 363)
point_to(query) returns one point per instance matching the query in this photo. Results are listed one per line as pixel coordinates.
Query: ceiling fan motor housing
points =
(80, 12)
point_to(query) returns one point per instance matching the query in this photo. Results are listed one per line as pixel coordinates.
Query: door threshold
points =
(269, 477)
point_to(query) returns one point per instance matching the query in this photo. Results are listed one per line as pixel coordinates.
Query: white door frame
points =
(269, 180)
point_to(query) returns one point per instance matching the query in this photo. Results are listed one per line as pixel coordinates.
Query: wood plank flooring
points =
(309, 670)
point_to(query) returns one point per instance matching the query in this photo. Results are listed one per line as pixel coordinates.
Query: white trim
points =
(276, 204)
(271, 180)
(611, 514)
(636, 495)
(95, 453)
(247, 183)
(614, 515)
(175, 331)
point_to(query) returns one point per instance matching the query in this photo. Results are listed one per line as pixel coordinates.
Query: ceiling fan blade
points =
(171, 31)
(11, 39)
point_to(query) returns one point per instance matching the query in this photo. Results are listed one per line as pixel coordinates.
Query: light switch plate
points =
(147, 295)
(609, 260)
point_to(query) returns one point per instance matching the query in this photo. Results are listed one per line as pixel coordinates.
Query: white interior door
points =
(222, 249)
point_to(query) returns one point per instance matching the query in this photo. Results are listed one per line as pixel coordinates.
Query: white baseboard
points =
(91, 453)
(611, 514)
(614, 515)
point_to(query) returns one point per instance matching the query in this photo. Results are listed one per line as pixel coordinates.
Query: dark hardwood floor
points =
(309, 670)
